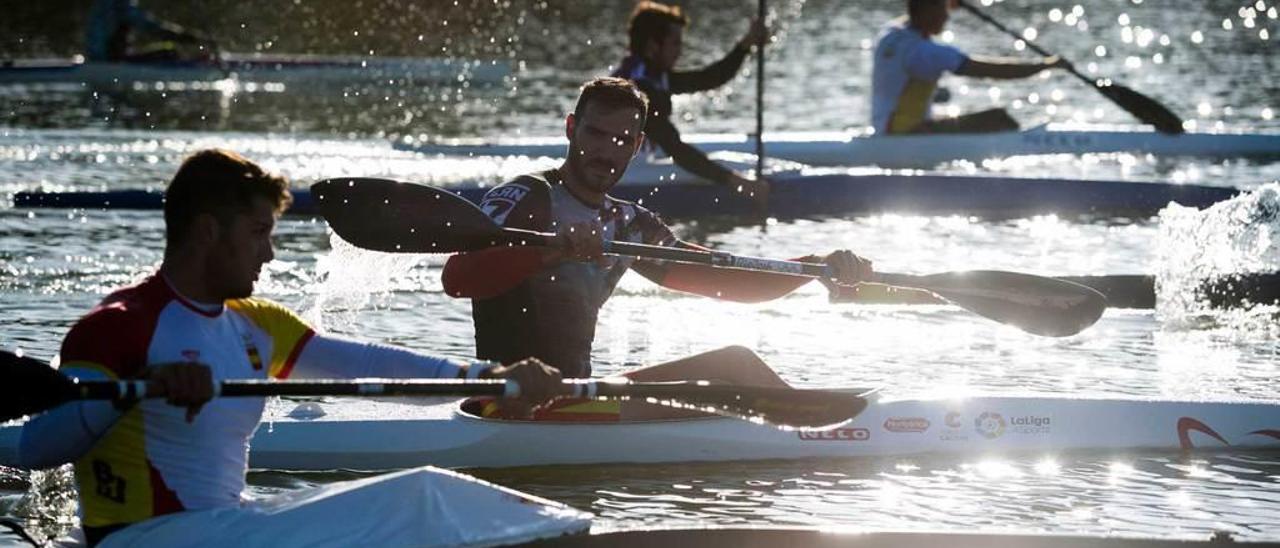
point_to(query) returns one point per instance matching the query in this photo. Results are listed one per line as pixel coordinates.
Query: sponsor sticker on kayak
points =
(992, 425)
(903, 425)
(836, 434)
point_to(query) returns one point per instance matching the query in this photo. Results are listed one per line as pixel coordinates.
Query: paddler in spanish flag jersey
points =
(542, 302)
(908, 64)
(655, 36)
(187, 326)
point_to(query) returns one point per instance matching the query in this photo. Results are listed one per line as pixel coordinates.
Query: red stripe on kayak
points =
(1269, 433)
(1187, 424)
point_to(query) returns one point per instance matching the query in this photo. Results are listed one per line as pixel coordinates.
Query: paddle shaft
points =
(1017, 36)
(760, 94)
(134, 389)
(719, 259)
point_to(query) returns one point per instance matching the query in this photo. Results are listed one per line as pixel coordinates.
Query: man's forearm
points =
(1001, 69)
(67, 432)
(686, 156)
(328, 356)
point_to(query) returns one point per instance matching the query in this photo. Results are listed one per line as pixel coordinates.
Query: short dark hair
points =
(612, 92)
(652, 21)
(221, 183)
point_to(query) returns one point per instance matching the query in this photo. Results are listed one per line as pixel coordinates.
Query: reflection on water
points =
(1201, 58)
(1190, 495)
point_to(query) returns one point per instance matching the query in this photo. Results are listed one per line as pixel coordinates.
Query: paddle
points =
(762, 210)
(30, 386)
(385, 215)
(1140, 106)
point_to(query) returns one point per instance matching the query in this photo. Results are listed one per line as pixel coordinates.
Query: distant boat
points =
(287, 69)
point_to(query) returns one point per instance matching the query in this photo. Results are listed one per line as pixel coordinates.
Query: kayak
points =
(377, 435)
(806, 194)
(417, 507)
(912, 151)
(853, 537)
(296, 69)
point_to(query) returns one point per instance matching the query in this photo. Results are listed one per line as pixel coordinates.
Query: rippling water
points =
(1209, 61)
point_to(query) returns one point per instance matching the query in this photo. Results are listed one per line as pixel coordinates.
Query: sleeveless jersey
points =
(552, 315)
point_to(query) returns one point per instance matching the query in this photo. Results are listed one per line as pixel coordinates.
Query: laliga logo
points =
(990, 425)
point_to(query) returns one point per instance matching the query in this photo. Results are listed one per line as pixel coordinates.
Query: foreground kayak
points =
(419, 507)
(375, 435)
(833, 537)
(915, 151)
(257, 68)
(801, 195)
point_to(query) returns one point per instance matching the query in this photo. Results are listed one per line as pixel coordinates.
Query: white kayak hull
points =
(915, 151)
(258, 68)
(858, 537)
(374, 435)
(422, 507)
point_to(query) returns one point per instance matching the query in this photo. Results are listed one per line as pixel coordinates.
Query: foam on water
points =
(1239, 236)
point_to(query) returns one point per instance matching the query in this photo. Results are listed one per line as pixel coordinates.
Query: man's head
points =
(929, 16)
(656, 33)
(605, 131)
(219, 210)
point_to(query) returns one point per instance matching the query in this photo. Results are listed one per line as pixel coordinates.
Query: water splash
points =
(1195, 250)
(350, 280)
(48, 509)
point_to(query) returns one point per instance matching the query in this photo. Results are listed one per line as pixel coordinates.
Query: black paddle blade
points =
(1035, 304)
(1143, 108)
(395, 217)
(30, 386)
(784, 407)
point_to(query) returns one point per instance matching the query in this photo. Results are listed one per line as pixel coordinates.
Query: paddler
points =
(655, 35)
(121, 31)
(192, 323)
(543, 302)
(908, 64)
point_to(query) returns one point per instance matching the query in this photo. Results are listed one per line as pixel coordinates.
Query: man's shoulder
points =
(520, 187)
(126, 307)
(530, 193)
(116, 333)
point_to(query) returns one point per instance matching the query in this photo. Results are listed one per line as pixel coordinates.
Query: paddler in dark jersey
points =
(543, 302)
(656, 39)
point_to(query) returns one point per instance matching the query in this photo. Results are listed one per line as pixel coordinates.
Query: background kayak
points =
(920, 151)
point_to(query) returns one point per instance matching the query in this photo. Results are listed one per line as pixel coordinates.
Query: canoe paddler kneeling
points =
(121, 31)
(187, 326)
(908, 64)
(655, 38)
(543, 302)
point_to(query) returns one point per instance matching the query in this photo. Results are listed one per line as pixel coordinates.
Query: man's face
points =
(932, 18)
(243, 245)
(602, 143)
(664, 53)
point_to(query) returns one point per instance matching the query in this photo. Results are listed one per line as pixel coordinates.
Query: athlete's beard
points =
(594, 174)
